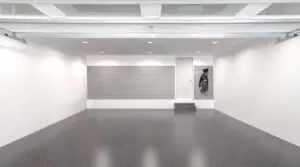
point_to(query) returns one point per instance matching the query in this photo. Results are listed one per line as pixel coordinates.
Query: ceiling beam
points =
(138, 30)
(162, 20)
(252, 10)
(149, 1)
(68, 9)
(207, 35)
(151, 11)
(49, 10)
(231, 9)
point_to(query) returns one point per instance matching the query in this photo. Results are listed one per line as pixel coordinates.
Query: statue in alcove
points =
(203, 82)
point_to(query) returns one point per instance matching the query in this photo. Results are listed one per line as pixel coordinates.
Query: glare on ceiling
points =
(101, 52)
(84, 42)
(149, 42)
(215, 42)
(197, 52)
(149, 52)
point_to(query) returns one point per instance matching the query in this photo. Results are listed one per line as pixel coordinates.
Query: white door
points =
(184, 79)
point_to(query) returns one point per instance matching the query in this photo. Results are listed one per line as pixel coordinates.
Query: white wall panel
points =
(39, 87)
(260, 86)
(205, 104)
(130, 104)
(203, 61)
(184, 79)
(142, 104)
(142, 60)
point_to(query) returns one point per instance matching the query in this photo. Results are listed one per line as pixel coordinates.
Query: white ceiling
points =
(179, 18)
(173, 8)
(142, 47)
(124, 27)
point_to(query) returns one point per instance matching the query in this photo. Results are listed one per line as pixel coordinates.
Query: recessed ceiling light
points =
(84, 42)
(197, 52)
(215, 42)
(149, 52)
(101, 52)
(149, 42)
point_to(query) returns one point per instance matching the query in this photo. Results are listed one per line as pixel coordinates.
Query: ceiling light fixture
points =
(149, 52)
(215, 42)
(149, 42)
(101, 52)
(84, 42)
(197, 52)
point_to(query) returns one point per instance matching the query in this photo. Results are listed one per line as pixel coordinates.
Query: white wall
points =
(125, 60)
(130, 104)
(261, 87)
(143, 104)
(39, 87)
(143, 60)
(203, 61)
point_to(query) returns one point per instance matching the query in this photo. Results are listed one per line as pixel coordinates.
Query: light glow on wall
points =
(9, 61)
(198, 63)
(149, 63)
(108, 63)
(203, 61)
(79, 68)
(10, 43)
(53, 63)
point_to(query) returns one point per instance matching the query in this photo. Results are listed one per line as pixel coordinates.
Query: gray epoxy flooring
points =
(149, 139)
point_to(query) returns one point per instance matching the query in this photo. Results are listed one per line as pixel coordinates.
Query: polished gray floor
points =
(150, 139)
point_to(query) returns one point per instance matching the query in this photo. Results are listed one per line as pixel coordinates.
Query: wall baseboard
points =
(142, 104)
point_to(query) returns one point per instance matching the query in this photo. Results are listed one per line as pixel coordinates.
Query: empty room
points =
(149, 83)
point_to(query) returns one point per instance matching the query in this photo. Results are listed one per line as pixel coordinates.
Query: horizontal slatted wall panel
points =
(131, 82)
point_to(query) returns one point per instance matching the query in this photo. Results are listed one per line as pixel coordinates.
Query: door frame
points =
(192, 78)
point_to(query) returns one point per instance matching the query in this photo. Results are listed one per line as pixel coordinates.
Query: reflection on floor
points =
(150, 139)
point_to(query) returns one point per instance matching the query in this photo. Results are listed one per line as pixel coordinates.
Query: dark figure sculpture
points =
(203, 82)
